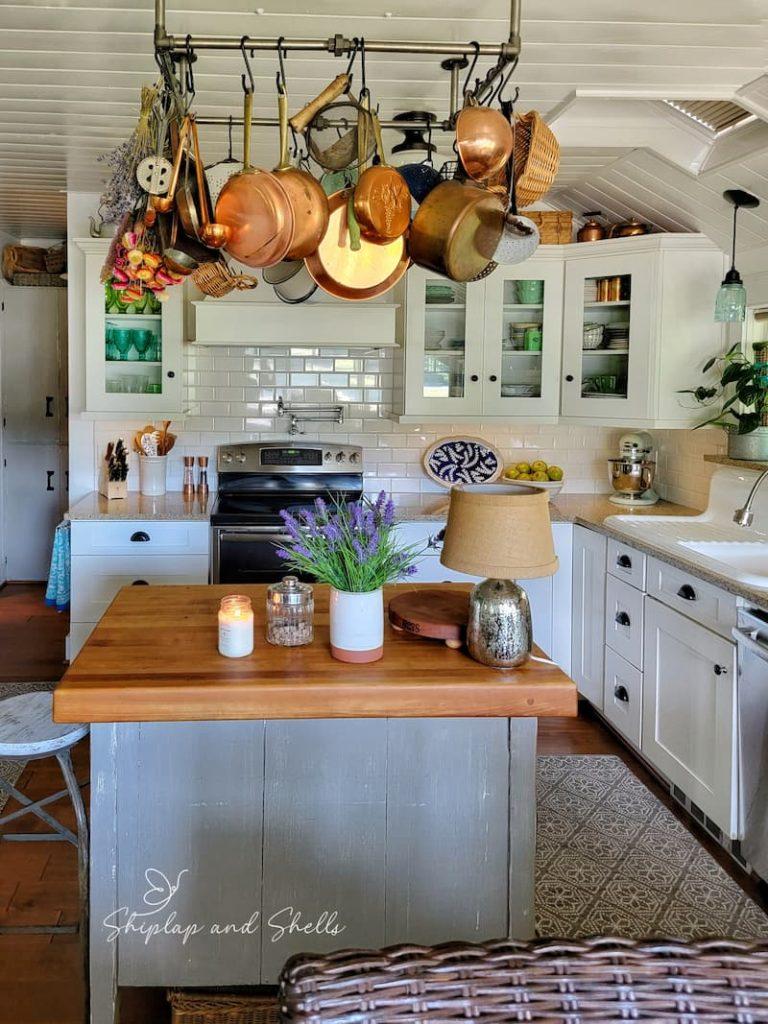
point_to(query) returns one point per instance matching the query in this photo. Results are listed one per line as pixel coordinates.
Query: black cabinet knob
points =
(620, 693)
(624, 562)
(569, 377)
(474, 378)
(721, 670)
(140, 537)
(687, 592)
(622, 618)
(493, 378)
(171, 373)
(140, 583)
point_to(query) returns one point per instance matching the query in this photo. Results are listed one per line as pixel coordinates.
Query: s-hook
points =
(472, 66)
(250, 86)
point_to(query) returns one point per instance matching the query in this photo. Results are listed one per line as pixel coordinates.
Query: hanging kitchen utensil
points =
(256, 207)
(218, 174)
(308, 200)
(338, 154)
(176, 258)
(154, 172)
(382, 198)
(537, 158)
(296, 289)
(484, 140)
(335, 181)
(211, 234)
(164, 204)
(422, 177)
(282, 272)
(455, 229)
(300, 122)
(187, 198)
(217, 280)
(354, 273)
(520, 237)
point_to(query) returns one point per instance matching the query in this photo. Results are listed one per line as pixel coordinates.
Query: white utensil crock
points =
(357, 625)
(152, 474)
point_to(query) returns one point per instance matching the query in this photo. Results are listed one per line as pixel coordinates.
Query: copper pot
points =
(382, 198)
(484, 141)
(307, 198)
(629, 228)
(256, 208)
(591, 230)
(456, 230)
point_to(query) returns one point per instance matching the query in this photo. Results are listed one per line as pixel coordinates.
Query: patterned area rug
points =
(11, 770)
(613, 860)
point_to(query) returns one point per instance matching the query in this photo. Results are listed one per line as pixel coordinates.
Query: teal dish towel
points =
(57, 591)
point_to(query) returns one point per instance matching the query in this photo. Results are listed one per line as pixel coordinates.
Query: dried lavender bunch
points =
(123, 192)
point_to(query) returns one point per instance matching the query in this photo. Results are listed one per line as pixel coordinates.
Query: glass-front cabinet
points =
(133, 353)
(606, 336)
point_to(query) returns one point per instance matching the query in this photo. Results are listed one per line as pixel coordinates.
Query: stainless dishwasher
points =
(751, 635)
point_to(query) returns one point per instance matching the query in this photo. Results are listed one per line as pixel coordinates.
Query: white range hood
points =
(347, 324)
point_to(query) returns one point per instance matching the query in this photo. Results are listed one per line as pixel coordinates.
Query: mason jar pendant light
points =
(731, 301)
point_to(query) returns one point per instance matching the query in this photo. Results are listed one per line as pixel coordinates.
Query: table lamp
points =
(502, 531)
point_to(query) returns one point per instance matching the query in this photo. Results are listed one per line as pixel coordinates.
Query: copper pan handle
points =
(282, 110)
(331, 92)
(177, 160)
(247, 115)
(202, 197)
(378, 138)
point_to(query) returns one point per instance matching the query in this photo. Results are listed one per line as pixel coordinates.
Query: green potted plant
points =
(742, 396)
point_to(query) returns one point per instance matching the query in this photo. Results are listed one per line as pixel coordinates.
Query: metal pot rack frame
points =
(171, 49)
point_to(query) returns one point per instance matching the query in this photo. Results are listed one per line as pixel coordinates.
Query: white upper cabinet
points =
(605, 332)
(133, 362)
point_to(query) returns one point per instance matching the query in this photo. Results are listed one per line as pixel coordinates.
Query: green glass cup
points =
(532, 340)
(530, 291)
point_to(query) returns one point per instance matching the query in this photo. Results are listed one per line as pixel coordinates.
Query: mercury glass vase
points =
(499, 631)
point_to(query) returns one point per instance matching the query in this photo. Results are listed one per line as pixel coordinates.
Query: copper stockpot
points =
(484, 141)
(629, 228)
(307, 198)
(256, 208)
(382, 198)
(355, 273)
(591, 230)
(456, 230)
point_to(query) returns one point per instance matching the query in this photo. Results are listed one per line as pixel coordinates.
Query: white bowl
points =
(552, 486)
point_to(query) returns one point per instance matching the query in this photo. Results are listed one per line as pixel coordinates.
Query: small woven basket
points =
(217, 280)
(222, 1008)
(23, 259)
(537, 158)
(593, 336)
(555, 226)
(56, 259)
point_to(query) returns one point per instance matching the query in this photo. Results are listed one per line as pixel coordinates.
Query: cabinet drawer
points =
(624, 620)
(700, 601)
(623, 696)
(139, 537)
(626, 563)
(96, 581)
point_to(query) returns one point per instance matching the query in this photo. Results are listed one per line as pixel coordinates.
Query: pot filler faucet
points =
(744, 516)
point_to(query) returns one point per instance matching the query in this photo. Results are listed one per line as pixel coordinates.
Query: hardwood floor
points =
(40, 975)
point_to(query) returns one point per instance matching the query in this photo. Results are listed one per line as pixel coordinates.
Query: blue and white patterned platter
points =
(462, 460)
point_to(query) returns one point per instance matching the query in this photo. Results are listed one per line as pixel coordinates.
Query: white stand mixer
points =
(631, 474)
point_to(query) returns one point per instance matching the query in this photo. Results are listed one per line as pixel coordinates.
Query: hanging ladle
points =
(212, 234)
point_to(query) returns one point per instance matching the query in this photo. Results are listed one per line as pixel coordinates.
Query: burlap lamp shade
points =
(502, 531)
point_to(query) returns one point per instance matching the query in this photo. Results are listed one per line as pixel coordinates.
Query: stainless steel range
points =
(256, 481)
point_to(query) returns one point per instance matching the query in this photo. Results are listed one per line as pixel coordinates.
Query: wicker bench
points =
(560, 982)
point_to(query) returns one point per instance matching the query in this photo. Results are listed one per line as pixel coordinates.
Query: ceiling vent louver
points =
(716, 115)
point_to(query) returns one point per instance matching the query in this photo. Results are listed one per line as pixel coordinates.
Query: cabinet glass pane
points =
(605, 339)
(445, 327)
(133, 347)
(523, 339)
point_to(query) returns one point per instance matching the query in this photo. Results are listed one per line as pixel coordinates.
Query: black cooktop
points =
(264, 509)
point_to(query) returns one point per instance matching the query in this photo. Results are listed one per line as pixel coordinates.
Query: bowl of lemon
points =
(537, 473)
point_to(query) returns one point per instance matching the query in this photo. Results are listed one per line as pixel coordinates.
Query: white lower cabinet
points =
(623, 696)
(588, 614)
(689, 727)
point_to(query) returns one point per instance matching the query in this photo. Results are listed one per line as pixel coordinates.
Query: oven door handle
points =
(229, 537)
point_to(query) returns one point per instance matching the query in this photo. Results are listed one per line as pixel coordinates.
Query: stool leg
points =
(65, 763)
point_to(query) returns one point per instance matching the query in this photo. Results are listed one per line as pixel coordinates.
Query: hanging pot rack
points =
(506, 53)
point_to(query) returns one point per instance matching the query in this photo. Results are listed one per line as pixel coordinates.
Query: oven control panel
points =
(290, 457)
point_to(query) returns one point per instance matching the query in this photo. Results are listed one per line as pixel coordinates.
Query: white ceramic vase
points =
(357, 625)
(152, 474)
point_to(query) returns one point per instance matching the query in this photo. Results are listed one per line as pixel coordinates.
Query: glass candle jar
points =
(235, 626)
(290, 608)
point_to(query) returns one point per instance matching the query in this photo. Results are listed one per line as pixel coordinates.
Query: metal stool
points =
(28, 733)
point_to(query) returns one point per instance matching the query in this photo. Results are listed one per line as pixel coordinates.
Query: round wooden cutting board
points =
(438, 614)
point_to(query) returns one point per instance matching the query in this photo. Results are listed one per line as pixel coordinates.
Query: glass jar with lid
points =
(290, 610)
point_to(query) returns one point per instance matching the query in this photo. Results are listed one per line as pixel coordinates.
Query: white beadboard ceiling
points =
(70, 73)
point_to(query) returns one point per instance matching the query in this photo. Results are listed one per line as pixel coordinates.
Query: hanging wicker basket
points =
(217, 280)
(537, 158)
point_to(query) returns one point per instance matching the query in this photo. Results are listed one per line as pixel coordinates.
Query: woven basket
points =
(222, 1008)
(56, 259)
(593, 336)
(217, 280)
(537, 158)
(557, 982)
(23, 259)
(555, 226)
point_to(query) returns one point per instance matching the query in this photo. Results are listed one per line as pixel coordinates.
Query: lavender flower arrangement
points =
(350, 546)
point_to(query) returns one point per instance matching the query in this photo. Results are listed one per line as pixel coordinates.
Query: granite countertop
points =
(170, 506)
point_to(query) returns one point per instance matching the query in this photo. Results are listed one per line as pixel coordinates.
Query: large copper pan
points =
(256, 208)
(307, 198)
(455, 228)
(382, 198)
(484, 141)
(354, 273)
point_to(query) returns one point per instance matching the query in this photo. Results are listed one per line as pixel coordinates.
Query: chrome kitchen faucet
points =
(744, 516)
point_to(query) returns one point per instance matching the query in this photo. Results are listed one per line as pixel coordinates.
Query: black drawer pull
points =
(622, 619)
(49, 406)
(620, 693)
(140, 583)
(140, 537)
(624, 562)
(50, 473)
(687, 592)
(721, 670)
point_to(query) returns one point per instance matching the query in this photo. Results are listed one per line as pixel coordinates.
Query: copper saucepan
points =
(382, 198)
(307, 198)
(350, 267)
(456, 230)
(484, 140)
(256, 208)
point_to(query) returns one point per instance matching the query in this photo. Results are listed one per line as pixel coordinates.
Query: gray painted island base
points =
(220, 848)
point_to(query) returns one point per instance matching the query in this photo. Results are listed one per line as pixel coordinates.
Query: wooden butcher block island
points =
(243, 810)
